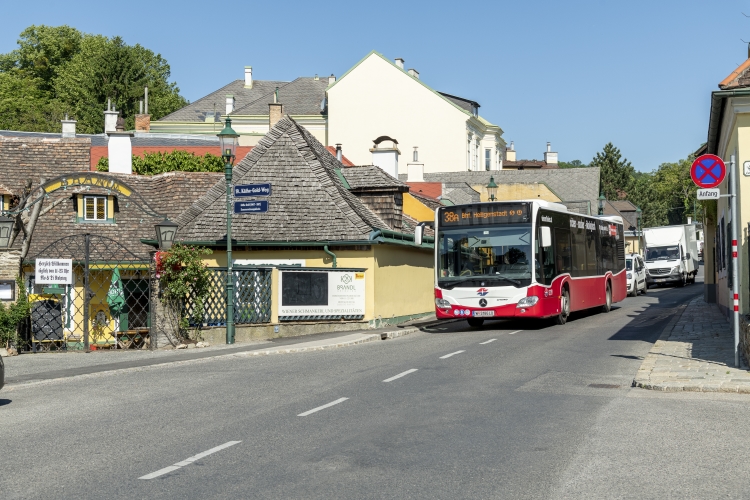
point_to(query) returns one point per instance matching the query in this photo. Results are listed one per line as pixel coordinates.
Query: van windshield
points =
(663, 253)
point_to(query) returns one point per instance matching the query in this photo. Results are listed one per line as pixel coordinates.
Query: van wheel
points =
(475, 322)
(645, 289)
(608, 304)
(562, 318)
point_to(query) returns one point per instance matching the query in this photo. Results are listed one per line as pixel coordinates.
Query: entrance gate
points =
(107, 306)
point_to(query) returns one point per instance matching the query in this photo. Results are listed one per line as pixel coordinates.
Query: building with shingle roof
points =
(318, 209)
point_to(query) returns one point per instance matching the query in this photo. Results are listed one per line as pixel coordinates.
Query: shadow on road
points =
(4, 402)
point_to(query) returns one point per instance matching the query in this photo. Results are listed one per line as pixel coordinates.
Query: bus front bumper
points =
(542, 309)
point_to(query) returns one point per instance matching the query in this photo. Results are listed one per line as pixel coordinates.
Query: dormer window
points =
(95, 208)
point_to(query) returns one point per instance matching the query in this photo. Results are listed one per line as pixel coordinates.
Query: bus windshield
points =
(497, 255)
(663, 253)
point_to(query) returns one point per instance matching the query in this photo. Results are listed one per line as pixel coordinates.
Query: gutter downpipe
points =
(325, 249)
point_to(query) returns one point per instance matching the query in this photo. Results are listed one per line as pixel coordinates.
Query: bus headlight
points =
(442, 304)
(527, 301)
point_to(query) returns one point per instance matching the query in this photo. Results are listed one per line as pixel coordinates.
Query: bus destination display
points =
(485, 213)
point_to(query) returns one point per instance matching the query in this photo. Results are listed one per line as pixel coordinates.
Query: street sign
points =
(709, 194)
(241, 190)
(708, 171)
(250, 207)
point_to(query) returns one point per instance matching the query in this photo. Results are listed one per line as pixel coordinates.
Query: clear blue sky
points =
(576, 73)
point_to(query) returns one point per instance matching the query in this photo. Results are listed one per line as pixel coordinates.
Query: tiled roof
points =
(308, 200)
(4, 190)
(740, 77)
(303, 96)
(461, 102)
(216, 100)
(370, 177)
(460, 193)
(431, 189)
(344, 160)
(570, 184)
(624, 209)
(430, 203)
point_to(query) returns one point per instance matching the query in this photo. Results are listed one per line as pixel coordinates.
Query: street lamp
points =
(6, 229)
(492, 188)
(638, 215)
(602, 199)
(228, 139)
(165, 231)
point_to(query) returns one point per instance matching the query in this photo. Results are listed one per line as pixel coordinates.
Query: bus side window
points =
(591, 257)
(546, 258)
(562, 251)
(578, 241)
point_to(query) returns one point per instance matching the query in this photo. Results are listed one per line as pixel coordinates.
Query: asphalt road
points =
(514, 410)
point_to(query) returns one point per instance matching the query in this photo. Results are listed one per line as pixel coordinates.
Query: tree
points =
(572, 164)
(65, 71)
(617, 174)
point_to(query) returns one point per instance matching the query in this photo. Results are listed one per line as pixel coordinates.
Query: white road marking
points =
(188, 461)
(407, 372)
(517, 331)
(487, 342)
(451, 354)
(341, 400)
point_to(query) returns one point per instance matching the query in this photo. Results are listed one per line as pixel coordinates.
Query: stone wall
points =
(10, 265)
(745, 337)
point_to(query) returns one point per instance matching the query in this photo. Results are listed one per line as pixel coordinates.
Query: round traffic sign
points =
(708, 171)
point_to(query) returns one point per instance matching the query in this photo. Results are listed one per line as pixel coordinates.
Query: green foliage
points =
(173, 161)
(617, 174)
(58, 70)
(182, 274)
(572, 164)
(12, 316)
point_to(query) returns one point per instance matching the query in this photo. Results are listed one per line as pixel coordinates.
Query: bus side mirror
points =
(418, 232)
(546, 236)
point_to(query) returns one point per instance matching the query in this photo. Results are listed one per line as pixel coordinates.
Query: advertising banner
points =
(322, 293)
(54, 271)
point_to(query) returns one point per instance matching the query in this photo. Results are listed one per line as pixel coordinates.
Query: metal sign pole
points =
(735, 262)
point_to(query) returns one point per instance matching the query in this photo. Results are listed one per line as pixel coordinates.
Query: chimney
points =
(120, 152)
(400, 62)
(550, 156)
(230, 104)
(110, 118)
(339, 155)
(248, 77)
(331, 79)
(143, 120)
(68, 127)
(510, 152)
(386, 157)
(275, 110)
(415, 170)
(413, 72)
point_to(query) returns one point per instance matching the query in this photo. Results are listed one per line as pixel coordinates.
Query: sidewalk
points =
(33, 368)
(694, 353)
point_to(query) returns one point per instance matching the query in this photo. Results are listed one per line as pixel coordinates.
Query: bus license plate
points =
(479, 314)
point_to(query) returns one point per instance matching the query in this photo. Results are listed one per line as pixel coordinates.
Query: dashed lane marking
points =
(517, 331)
(403, 374)
(451, 354)
(308, 412)
(487, 342)
(188, 461)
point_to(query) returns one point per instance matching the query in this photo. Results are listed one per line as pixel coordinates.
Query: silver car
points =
(636, 274)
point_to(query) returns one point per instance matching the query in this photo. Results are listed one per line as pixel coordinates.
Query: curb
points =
(291, 350)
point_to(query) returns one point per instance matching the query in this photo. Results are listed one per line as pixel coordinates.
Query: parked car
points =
(2, 373)
(636, 274)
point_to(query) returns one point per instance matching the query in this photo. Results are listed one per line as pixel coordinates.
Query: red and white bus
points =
(530, 259)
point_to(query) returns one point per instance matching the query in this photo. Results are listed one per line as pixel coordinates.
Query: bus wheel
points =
(561, 318)
(475, 322)
(608, 304)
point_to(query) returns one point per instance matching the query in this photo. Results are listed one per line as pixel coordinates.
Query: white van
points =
(671, 254)
(636, 274)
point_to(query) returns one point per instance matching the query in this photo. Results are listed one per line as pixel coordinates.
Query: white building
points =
(379, 97)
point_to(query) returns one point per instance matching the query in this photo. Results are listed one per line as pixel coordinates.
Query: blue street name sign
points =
(252, 190)
(250, 207)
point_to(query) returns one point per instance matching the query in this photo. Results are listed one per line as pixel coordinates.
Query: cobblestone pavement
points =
(695, 353)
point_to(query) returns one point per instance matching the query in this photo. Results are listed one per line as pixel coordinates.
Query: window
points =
(562, 251)
(95, 208)
(578, 241)
(487, 159)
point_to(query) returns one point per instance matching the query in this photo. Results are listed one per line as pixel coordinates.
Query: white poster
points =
(53, 271)
(322, 293)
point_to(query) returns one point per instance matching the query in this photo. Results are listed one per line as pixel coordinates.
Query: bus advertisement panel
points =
(525, 259)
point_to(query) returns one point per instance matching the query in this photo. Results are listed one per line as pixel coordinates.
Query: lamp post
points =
(638, 215)
(602, 199)
(6, 229)
(492, 188)
(228, 139)
(165, 231)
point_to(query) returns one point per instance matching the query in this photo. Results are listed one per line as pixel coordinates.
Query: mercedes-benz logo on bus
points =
(482, 303)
